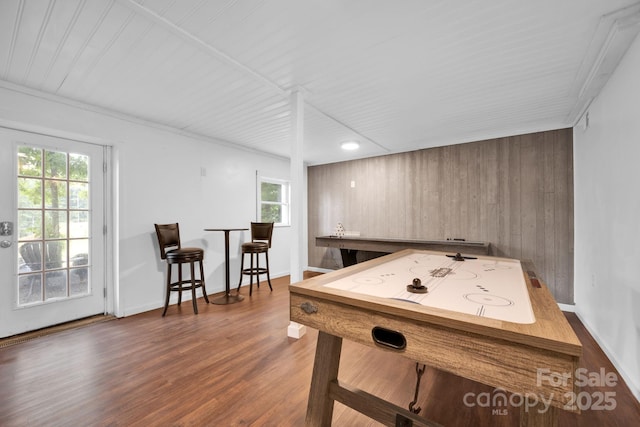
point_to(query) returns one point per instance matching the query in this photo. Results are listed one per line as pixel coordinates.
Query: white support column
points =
(295, 330)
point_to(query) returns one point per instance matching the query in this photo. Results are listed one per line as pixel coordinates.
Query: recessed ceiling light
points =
(350, 145)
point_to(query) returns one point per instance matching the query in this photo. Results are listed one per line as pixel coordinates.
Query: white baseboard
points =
(571, 308)
(130, 311)
(629, 381)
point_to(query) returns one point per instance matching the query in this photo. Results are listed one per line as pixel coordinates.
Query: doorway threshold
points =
(74, 324)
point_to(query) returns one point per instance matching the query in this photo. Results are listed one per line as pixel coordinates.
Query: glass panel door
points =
(53, 265)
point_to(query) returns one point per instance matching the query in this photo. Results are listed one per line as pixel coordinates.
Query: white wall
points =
(162, 177)
(607, 219)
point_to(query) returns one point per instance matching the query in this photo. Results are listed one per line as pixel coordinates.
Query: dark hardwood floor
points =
(234, 366)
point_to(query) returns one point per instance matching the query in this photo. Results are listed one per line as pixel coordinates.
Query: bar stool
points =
(260, 243)
(169, 237)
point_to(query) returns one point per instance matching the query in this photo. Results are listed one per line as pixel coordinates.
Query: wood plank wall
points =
(515, 193)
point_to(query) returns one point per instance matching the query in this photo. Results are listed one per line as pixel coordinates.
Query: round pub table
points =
(227, 298)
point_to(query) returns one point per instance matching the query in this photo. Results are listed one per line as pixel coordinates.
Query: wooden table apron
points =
(500, 354)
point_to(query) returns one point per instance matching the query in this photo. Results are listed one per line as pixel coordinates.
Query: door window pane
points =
(55, 284)
(78, 283)
(55, 224)
(29, 224)
(78, 195)
(30, 258)
(55, 254)
(55, 165)
(29, 161)
(29, 193)
(79, 251)
(78, 224)
(78, 167)
(55, 194)
(29, 289)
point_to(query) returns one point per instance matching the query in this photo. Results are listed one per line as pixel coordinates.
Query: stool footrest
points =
(254, 271)
(175, 286)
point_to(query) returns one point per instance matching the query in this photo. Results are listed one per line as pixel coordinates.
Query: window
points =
(53, 225)
(273, 201)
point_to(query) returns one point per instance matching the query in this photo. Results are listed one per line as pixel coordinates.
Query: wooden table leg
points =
(325, 370)
(538, 416)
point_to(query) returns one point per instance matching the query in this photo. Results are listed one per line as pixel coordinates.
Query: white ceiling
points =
(396, 75)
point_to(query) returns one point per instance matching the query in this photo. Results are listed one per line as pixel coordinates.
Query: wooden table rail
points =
(503, 354)
(350, 245)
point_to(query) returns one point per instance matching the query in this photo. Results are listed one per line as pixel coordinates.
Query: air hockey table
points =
(484, 318)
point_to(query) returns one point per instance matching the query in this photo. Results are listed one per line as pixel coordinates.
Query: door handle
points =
(6, 229)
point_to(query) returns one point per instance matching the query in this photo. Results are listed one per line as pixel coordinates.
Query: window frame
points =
(285, 204)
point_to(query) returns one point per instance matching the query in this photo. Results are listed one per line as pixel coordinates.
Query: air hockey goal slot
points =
(387, 338)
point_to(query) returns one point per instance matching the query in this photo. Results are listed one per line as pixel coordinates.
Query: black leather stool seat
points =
(185, 255)
(254, 247)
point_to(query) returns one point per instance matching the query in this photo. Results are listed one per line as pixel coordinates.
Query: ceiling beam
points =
(202, 45)
(615, 33)
(223, 57)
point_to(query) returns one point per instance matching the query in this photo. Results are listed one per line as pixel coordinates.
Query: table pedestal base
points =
(227, 299)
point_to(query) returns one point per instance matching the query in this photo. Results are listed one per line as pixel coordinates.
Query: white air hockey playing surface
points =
(494, 288)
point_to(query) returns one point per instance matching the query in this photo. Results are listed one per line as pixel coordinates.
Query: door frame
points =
(112, 303)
